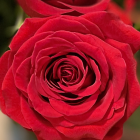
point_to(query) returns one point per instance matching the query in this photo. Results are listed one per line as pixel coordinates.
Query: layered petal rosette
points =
(41, 8)
(71, 78)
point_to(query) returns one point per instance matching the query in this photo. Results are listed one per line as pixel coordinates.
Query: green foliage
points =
(137, 27)
(119, 2)
(11, 17)
(133, 121)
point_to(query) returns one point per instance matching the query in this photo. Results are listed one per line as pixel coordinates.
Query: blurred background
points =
(12, 17)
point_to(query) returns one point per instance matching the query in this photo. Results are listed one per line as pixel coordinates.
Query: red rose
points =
(41, 8)
(71, 78)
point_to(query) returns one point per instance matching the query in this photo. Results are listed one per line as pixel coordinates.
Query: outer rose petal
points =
(28, 10)
(27, 30)
(12, 99)
(60, 23)
(38, 8)
(113, 28)
(96, 113)
(42, 128)
(97, 131)
(23, 53)
(69, 110)
(4, 69)
(23, 75)
(38, 103)
(133, 96)
(102, 5)
(114, 134)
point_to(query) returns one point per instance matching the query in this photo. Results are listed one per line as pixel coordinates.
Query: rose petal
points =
(42, 107)
(92, 89)
(70, 110)
(94, 52)
(133, 96)
(12, 98)
(75, 87)
(45, 92)
(114, 134)
(45, 9)
(27, 30)
(118, 31)
(78, 61)
(93, 28)
(53, 92)
(4, 63)
(28, 45)
(97, 131)
(101, 5)
(61, 23)
(41, 127)
(22, 76)
(47, 45)
(28, 10)
(97, 112)
(70, 62)
(67, 35)
(60, 122)
(113, 56)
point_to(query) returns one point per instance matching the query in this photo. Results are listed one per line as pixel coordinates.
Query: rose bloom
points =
(41, 8)
(71, 78)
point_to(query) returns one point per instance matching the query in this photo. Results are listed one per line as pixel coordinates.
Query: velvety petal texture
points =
(71, 78)
(43, 8)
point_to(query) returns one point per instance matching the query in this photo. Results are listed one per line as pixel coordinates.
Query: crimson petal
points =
(96, 113)
(41, 127)
(3, 72)
(119, 31)
(70, 110)
(22, 76)
(133, 97)
(39, 105)
(12, 97)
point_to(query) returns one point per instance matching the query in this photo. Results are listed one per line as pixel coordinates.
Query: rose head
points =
(41, 8)
(71, 78)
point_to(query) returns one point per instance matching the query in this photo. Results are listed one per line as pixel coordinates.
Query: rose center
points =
(68, 73)
(63, 71)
